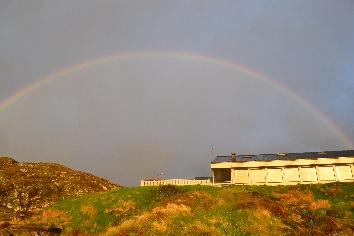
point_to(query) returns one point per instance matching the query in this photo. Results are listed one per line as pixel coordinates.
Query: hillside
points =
(204, 210)
(51, 199)
(27, 188)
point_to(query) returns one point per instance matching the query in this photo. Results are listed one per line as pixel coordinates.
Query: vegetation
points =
(203, 210)
(26, 188)
(50, 199)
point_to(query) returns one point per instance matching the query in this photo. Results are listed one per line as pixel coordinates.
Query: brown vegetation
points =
(27, 188)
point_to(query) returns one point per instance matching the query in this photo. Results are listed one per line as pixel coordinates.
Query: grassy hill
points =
(51, 199)
(27, 188)
(203, 210)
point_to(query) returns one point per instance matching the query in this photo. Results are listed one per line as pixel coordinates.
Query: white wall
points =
(293, 175)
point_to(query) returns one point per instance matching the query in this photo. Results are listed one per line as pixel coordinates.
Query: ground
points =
(50, 199)
(205, 210)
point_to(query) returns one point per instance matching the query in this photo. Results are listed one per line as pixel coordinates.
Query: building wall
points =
(286, 172)
(287, 175)
(283, 163)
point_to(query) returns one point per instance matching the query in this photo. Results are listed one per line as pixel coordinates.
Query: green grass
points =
(206, 210)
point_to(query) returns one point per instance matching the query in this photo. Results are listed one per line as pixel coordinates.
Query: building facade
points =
(284, 168)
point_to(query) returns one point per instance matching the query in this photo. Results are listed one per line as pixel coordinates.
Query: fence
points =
(175, 182)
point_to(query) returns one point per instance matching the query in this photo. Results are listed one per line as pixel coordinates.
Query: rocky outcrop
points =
(27, 188)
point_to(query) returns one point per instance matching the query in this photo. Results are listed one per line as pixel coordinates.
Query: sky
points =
(130, 90)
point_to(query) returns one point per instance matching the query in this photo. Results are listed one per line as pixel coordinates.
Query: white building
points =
(284, 168)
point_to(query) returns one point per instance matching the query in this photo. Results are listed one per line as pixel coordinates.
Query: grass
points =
(205, 210)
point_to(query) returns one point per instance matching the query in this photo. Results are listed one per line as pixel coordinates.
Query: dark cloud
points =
(132, 119)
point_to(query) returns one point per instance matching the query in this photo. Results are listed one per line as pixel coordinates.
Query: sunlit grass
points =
(198, 210)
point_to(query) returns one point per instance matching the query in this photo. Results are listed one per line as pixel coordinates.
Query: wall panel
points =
(258, 175)
(308, 174)
(326, 173)
(344, 173)
(291, 174)
(275, 175)
(241, 177)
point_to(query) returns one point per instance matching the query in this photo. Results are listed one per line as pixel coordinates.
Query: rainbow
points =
(182, 55)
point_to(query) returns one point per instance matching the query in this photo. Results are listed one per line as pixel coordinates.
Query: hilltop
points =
(28, 188)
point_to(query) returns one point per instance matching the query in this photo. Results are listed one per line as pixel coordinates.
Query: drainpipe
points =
(232, 173)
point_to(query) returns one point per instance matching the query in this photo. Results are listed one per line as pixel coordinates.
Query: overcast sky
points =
(133, 118)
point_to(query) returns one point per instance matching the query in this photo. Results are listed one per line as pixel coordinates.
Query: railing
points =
(175, 182)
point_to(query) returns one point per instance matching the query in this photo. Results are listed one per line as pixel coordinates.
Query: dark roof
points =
(286, 156)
